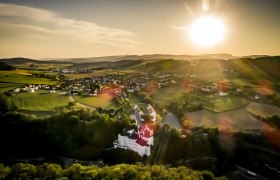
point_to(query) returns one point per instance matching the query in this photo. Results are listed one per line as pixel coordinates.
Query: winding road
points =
(172, 120)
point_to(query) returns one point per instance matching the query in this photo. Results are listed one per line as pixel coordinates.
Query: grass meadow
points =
(40, 101)
(22, 77)
(103, 100)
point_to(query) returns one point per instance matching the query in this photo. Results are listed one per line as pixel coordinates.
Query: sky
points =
(88, 28)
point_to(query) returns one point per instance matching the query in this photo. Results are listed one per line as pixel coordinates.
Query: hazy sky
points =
(86, 28)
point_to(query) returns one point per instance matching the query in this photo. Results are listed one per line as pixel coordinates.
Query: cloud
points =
(24, 20)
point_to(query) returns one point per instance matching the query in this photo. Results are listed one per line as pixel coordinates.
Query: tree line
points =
(120, 171)
(5, 67)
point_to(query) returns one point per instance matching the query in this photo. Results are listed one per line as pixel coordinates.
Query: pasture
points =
(79, 75)
(228, 103)
(263, 109)
(97, 73)
(23, 77)
(9, 86)
(40, 101)
(236, 120)
(239, 119)
(165, 95)
(103, 100)
(43, 66)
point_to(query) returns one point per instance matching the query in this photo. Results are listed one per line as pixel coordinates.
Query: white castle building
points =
(139, 140)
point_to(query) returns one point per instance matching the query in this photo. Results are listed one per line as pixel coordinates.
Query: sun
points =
(207, 31)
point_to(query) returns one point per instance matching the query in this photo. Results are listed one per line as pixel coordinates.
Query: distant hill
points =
(255, 56)
(151, 57)
(18, 60)
(4, 66)
(107, 59)
(167, 65)
(108, 64)
(155, 65)
(263, 67)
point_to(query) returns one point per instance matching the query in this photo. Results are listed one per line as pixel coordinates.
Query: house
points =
(138, 114)
(17, 90)
(239, 90)
(151, 112)
(52, 91)
(63, 93)
(221, 93)
(139, 141)
(65, 71)
(130, 90)
(30, 90)
(257, 97)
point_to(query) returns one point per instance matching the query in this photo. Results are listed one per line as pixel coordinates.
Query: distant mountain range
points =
(261, 65)
(21, 60)
(152, 57)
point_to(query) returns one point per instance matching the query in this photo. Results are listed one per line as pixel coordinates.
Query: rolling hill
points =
(259, 68)
(151, 57)
(5, 66)
(167, 65)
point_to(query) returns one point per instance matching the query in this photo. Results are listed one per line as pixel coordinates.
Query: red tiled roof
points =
(146, 130)
(141, 142)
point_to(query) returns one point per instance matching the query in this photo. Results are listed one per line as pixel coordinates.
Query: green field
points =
(9, 86)
(40, 101)
(240, 119)
(104, 101)
(165, 95)
(98, 73)
(23, 77)
(263, 109)
(43, 66)
(221, 104)
(237, 119)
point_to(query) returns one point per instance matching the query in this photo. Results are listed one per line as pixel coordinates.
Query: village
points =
(114, 84)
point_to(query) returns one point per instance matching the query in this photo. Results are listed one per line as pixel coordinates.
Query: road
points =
(172, 120)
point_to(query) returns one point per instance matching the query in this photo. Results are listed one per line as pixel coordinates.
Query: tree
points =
(70, 104)
(6, 104)
(49, 171)
(4, 67)
(4, 171)
(23, 171)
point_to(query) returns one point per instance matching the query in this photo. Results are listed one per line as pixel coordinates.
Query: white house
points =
(52, 91)
(65, 71)
(130, 90)
(138, 114)
(257, 97)
(151, 112)
(30, 90)
(221, 93)
(17, 90)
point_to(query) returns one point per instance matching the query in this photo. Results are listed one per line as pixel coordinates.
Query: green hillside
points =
(259, 68)
(4, 66)
(167, 66)
(42, 101)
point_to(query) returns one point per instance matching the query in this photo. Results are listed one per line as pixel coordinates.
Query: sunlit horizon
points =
(74, 29)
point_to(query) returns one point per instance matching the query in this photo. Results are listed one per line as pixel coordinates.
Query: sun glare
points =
(207, 31)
